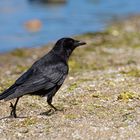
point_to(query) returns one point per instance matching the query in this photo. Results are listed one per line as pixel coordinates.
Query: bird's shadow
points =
(9, 117)
(46, 113)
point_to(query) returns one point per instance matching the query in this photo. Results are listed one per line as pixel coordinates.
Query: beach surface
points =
(100, 99)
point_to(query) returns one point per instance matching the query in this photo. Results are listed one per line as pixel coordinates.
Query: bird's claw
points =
(47, 113)
(12, 113)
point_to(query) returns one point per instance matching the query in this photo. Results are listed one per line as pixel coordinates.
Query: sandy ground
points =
(100, 100)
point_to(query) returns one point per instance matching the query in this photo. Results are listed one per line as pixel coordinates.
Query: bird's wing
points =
(24, 77)
(42, 80)
(35, 80)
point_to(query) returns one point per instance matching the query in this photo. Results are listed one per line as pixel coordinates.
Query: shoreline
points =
(111, 24)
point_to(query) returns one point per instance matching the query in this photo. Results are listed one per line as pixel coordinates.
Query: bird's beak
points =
(79, 43)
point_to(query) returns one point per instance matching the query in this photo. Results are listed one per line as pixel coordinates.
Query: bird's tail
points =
(7, 92)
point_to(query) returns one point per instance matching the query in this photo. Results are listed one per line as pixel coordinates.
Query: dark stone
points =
(49, 1)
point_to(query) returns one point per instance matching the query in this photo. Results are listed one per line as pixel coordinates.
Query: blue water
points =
(72, 18)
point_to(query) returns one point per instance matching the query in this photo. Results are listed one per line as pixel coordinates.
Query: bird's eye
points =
(70, 43)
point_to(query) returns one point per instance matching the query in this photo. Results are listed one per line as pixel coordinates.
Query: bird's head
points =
(67, 45)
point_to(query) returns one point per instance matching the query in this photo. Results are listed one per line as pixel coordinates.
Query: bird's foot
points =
(47, 113)
(12, 115)
(13, 111)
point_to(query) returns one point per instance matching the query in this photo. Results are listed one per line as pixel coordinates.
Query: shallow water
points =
(71, 18)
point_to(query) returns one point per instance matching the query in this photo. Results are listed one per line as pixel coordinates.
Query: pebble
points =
(23, 130)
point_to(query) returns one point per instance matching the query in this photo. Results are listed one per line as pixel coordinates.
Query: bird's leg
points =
(13, 109)
(49, 100)
(50, 111)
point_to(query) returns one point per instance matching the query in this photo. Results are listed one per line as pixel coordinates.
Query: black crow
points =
(45, 76)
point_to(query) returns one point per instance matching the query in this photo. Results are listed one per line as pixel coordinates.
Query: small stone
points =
(33, 25)
(23, 130)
